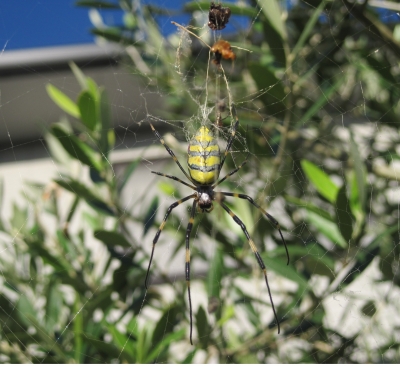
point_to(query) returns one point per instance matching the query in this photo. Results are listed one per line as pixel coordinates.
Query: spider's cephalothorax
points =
(205, 163)
(205, 196)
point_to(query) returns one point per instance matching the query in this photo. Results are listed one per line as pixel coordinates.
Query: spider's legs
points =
(174, 178)
(170, 208)
(231, 173)
(188, 231)
(170, 151)
(271, 219)
(258, 257)
(230, 141)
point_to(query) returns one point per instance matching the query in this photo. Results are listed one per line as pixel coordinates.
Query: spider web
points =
(337, 299)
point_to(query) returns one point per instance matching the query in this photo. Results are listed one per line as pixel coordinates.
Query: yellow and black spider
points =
(204, 165)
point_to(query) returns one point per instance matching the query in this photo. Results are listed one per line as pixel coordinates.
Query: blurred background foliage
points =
(318, 103)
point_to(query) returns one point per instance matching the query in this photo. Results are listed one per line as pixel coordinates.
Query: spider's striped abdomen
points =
(204, 157)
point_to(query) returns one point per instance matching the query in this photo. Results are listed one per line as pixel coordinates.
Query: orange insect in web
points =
(222, 49)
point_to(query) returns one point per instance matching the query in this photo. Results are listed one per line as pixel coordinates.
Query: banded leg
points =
(188, 231)
(170, 208)
(257, 255)
(271, 219)
(170, 151)
(231, 173)
(230, 141)
(174, 178)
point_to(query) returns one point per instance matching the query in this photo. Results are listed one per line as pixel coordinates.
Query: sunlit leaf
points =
(63, 101)
(214, 274)
(320, 180)
(88, 110)
(150, 215)
(76, 148)
(328, 228)
(279, 266)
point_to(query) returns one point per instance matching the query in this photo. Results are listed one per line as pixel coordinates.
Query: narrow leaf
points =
(344, 218)
(79, 75)
(127, 173)
(112, 238)
(308, 29)
(328, 228)
(105, 120)
(320, 102)
(320, 180)
(203, 328)
(83, 192)
(87, 107)
(76, 148)
(274, 95)
(63, 101)
(214, 274)
(309, 207)
(150, 215)
(359, 171)
(279, 266)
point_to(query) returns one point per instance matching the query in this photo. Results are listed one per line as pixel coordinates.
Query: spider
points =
(204, 165)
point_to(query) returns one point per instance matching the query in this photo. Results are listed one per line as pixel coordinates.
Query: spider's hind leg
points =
(257, 255)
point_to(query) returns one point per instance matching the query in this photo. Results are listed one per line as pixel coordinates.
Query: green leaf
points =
(111, 350)
(308, 29)
(76, 148)
(83, 192)
(320, 180)
(78, 330)
(63, 101)
(105, 119)
(47, 341)
(274, 95)
(26, 309)
(214, 274)
(189, 358)
(228, 313)
(344, 217)
(309, 207)
(148, 220)
(88, 108)
(54, 302)
(320, 102)
(359, 169)
(312, 249)
(79, 75)
(272, 12)
(203, 328)
(279, 266)
(166, 324)
(166, 341)
(122, 342)
(328, 228)
(166, 187)
(274, 30)
(112, 238)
